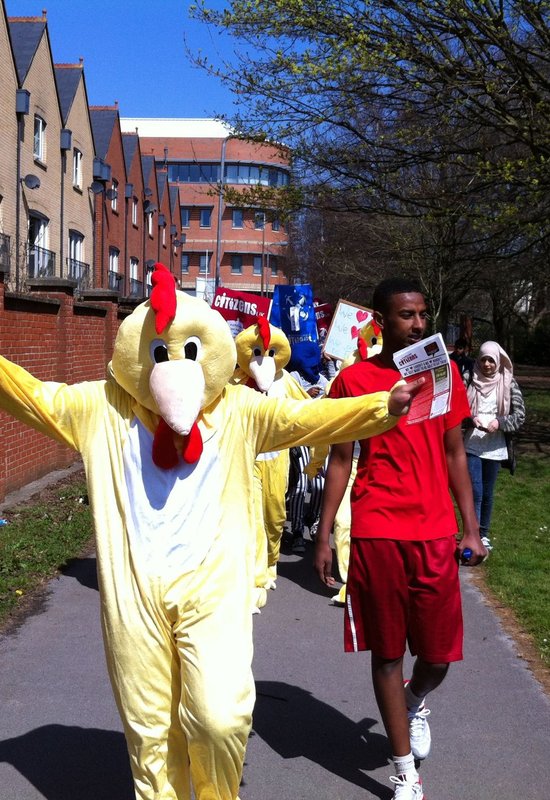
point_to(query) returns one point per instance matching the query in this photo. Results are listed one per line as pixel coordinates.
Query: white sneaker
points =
(486, 542)
(407, 788)
(419, 732)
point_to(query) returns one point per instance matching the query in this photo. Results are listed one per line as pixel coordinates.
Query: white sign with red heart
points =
(346, 323)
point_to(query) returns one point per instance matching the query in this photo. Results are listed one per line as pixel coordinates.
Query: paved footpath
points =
(316, 730)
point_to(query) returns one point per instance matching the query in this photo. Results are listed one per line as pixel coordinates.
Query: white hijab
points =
(501, 380)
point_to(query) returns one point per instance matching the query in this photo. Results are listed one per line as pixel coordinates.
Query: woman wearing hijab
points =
(498, 410)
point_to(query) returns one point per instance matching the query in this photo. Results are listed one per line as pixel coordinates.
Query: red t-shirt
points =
(402, 488)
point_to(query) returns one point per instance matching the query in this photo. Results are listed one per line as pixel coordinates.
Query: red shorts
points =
(400, 591)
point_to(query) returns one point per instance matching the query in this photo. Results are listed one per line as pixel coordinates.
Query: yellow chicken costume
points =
(262, 353)
(169, 450)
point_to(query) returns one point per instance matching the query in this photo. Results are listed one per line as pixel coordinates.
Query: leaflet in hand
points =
(428, 359)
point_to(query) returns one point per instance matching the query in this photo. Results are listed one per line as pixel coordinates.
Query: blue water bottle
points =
(466, 554)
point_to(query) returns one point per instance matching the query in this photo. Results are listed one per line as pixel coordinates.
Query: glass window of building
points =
(257, 265)
(185, 214)
(236, 264)
(273, 265)
(205, 217)
(259, 220)
(77, 168)
(204, 263)
(237, 217)
(39, 142)
(185, 259)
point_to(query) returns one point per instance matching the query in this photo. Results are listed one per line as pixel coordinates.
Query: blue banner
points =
(292, 310)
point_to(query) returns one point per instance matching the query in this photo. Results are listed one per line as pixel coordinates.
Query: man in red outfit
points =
(403, 575)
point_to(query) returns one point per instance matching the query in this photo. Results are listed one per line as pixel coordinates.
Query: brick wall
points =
(55, 339)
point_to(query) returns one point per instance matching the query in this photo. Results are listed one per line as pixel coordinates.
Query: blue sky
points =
(134, 53)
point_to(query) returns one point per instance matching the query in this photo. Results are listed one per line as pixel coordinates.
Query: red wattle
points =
(165, 455)
(191, 450)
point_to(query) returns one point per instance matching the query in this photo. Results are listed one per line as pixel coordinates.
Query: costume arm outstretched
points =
(48, 407)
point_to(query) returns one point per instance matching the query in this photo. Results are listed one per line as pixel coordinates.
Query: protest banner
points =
(293, 311)
(348, 319)
(324, 313)
(240, 309)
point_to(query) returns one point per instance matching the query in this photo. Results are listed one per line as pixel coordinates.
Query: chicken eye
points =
(257, 352)
(271, 353)
(159, 351)
(192, 348)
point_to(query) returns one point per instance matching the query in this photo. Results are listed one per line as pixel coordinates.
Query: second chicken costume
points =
(262, 353)
(169, 450)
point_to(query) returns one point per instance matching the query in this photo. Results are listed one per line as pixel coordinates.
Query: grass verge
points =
(40, 537)
(518, 569)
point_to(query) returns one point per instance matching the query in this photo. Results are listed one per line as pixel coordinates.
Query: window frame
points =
(39, 139)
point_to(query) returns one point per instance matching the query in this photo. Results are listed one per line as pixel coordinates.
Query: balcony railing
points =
(80, 272)
(114, 280)
(41, 263)
(136, 288)
(5, 252)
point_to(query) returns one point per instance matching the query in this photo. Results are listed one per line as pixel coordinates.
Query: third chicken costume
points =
(169, 450)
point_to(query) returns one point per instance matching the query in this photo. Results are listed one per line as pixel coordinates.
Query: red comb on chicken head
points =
(174, 355)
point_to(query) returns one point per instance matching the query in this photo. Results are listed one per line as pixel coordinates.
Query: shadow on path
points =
(71, 763)
(83, 570)
(301, 572)
(295, 724)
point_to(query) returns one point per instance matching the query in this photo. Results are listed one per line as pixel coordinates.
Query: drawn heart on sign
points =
(361, 316)
(354, 333)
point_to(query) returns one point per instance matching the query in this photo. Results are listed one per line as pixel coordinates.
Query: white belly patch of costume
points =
(172, 514)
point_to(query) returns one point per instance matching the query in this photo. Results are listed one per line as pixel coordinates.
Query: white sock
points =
(412, 700)
(404, 765)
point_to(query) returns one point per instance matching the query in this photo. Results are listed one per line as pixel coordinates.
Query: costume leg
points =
(274, 509)
(342, 527)
(145, 675)
(259, 555)
(213, 635)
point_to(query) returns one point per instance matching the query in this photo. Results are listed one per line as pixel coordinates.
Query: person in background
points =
(497, 411)
(304, 494)
(403, 585)
(463, 361)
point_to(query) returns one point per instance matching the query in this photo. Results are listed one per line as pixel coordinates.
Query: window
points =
(163, 239)
(113, 259)
(76, 246)
(77, 168)
(193, 172)
(236, 264)
(237, 217)
(39, 146)
(273, 265)
(134, 266)
(257, 267)
(205, 217)
(185, 262)
(149, 218)
(185, 214)
(259, 220)
(204, 263)
(276, 225)
(41, 260)
(253, 174)
(134, 211)
(114, 195)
